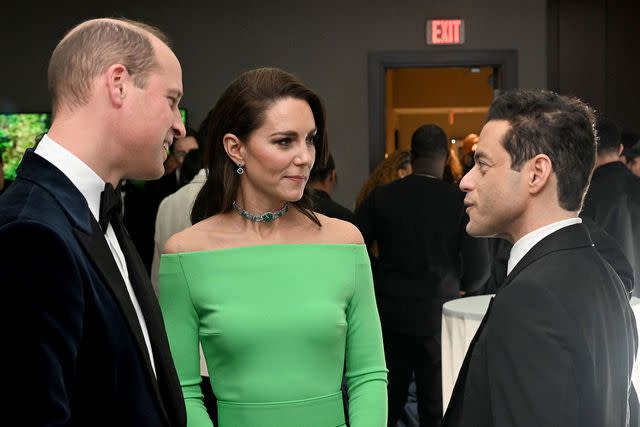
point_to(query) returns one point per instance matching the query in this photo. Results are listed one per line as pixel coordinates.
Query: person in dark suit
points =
(558, 343)
(632, 157)
(425, 259)
(85, 343)
(613, 199)
(606, 246)
(322, 182)
(142, 198)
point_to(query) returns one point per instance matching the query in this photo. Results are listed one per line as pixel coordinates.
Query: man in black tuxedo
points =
(322, 181)
(613, 199)
(84, 340)
(426, 258)
(558, 342)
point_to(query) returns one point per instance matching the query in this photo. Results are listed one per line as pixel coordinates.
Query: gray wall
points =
(325, 43)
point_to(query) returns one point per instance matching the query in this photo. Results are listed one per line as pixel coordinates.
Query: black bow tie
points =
(110, 206)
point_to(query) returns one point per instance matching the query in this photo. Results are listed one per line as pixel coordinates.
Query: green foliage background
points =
(17, 133)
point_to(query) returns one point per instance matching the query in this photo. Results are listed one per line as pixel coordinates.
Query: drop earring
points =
(240, 169)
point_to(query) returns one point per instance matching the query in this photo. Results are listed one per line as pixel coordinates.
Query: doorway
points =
(451, 88)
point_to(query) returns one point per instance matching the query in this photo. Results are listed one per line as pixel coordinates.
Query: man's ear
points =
(234, 148)
(539, 171)
(117, 83)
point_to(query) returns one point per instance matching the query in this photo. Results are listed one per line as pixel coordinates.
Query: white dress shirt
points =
(529, 240)
(91, 187)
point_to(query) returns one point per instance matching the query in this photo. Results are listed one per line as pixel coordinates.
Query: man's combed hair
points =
(608, 136)
(91, 48)
(561, 127)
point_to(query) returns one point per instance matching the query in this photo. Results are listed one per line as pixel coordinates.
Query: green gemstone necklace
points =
(265, 217)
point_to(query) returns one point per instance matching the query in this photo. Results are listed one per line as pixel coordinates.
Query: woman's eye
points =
(284, 142)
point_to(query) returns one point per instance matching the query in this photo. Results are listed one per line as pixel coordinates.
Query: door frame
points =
(504, 59)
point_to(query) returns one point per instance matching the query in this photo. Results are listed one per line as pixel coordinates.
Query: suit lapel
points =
(456, 402)
(101, 257)
(572, 236)
(42, 173)
(569, 237)
(167, 378)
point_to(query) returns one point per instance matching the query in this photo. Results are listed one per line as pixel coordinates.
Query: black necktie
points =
(110, 206)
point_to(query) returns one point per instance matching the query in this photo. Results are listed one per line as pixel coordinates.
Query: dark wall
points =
(594, 54)
(326, 43)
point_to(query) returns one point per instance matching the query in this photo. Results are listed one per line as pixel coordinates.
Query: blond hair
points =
(91, 47)
(384, 173)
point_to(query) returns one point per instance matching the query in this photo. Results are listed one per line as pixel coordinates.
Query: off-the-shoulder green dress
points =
(276, 323)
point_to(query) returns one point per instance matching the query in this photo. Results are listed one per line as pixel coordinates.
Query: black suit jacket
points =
(613, 202)
(556, 347)
(426, 256)
(74, 353)
(606, 246)
(324, 204)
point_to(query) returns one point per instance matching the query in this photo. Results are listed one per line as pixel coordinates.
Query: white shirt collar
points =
(528, 241)
(81, 175)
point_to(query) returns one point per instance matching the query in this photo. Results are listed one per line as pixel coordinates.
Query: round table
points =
(460, 321)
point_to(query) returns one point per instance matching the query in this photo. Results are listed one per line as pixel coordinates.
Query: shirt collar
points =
(82, 176)
(528, 241)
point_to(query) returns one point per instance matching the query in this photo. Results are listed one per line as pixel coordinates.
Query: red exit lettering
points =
(446, 31)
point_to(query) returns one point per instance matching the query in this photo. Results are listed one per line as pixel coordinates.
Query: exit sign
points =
(445, 31)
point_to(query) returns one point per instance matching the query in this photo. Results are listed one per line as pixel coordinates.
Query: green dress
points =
(276, 323)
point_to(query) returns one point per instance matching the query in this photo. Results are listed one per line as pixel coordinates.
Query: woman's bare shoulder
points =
(195, 238)
(337, 231)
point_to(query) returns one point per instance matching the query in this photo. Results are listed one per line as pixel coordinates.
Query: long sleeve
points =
(41, 322)
(182, 324)
(366, 369)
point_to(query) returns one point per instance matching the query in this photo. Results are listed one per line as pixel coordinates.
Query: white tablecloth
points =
(460, 321)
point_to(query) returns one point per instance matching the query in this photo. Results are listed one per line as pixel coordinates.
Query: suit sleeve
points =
(529, 361)
(41, 311)
(610, 250)
(366, 370)
(182, 324)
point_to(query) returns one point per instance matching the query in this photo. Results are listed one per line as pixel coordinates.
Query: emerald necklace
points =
(264, 217)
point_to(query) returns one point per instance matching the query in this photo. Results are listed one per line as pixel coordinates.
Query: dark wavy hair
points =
(240, 110)
(563, 128)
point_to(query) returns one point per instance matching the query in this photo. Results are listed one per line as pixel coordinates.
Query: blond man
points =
(84, 336)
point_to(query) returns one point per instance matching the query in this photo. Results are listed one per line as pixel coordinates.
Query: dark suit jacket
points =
(556, 347)
(324, 204)
(606, 246)
(141, 202)
(74, 352)
(613, 202)
(426, 256)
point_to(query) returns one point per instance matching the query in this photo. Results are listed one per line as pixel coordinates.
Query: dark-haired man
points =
(323, 181)
(633, 159)
(426, 258)
(613, 199)
(85, 343)
(558, 342)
